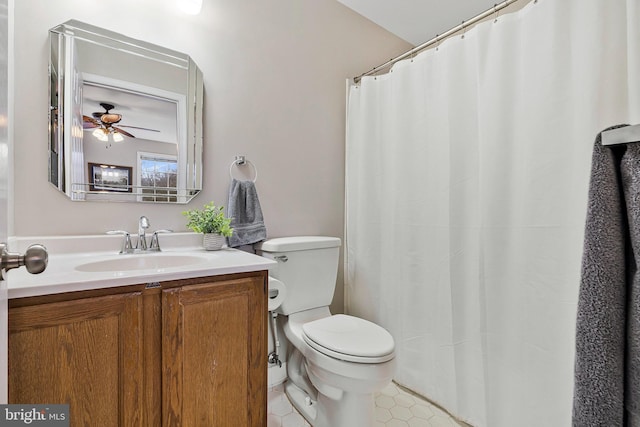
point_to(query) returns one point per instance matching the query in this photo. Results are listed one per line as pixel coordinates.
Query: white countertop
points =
(69, 259)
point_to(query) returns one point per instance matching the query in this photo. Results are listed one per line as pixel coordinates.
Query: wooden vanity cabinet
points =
(86, 352)
(214, 354)
(179, 353)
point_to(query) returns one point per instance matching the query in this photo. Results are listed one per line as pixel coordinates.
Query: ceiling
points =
(418, 21)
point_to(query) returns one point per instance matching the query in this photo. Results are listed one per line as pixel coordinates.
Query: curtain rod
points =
(494, 10)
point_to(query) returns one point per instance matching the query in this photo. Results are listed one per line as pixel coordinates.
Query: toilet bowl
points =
(335, 363)
(344, 370)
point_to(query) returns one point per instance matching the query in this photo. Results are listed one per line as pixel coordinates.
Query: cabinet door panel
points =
(214, 341)
(87, 353)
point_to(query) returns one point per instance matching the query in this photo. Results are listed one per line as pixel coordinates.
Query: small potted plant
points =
(212, 223)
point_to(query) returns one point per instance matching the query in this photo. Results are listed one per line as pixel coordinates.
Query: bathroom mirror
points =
(125, 118)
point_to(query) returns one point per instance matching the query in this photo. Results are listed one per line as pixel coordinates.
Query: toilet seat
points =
(349, 338)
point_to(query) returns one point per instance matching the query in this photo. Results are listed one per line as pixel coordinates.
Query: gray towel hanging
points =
(607, 365)
(244, 209)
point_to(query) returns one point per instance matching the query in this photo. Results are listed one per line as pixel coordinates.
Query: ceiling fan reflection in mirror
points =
(103, 123)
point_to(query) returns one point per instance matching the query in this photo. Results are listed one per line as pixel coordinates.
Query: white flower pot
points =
(213, 241)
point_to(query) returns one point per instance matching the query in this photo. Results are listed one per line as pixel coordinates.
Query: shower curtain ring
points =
(437, 42)
(495, 11)
(464, 29)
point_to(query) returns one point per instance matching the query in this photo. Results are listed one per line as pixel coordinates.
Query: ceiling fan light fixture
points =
(117, 137)
(100, 134)
(190, 7)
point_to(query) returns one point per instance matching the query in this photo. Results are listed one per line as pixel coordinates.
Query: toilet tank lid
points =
(298, 243)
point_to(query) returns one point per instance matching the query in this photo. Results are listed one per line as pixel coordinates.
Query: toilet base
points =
(302, 402)
(351, 410)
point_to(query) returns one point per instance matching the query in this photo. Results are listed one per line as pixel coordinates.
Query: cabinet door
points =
(215, 354)
(86, 352)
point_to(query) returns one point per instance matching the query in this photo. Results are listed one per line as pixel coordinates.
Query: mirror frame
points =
(65, 121)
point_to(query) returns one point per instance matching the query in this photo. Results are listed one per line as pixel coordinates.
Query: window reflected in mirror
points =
(158, 177)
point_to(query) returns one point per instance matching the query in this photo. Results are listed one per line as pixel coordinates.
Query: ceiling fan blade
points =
(136, 127)
(125, 133)
(89, 122)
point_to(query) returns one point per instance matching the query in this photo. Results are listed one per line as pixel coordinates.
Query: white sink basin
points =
(135, 262)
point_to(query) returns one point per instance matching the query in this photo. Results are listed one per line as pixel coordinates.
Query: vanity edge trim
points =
(48, 289)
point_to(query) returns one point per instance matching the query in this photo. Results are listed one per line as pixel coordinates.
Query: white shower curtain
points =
(467, 174)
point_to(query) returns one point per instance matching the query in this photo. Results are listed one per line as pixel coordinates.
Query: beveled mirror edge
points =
(196, 91)
(110, 38)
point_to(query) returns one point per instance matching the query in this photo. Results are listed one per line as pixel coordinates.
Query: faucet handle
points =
(127, 247)
(155, 243)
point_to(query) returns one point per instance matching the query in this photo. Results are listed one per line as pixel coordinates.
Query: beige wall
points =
(274, 76)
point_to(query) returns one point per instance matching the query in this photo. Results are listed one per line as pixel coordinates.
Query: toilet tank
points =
(308, 267)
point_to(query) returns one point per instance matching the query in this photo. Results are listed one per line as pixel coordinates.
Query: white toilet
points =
(335, 362)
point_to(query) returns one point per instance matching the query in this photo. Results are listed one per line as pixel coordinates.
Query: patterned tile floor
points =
(395, 407)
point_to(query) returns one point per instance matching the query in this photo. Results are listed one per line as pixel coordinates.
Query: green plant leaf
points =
(210, 219)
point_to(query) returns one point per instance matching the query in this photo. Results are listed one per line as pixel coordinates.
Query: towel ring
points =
(240, 161)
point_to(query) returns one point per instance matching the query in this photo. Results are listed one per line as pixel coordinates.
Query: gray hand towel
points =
(244, 209)
(607, 364)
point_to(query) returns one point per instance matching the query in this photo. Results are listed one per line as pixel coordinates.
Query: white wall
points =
(274, 75)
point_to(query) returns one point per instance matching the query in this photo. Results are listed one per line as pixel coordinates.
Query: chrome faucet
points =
(143, 224)
(141, 244)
